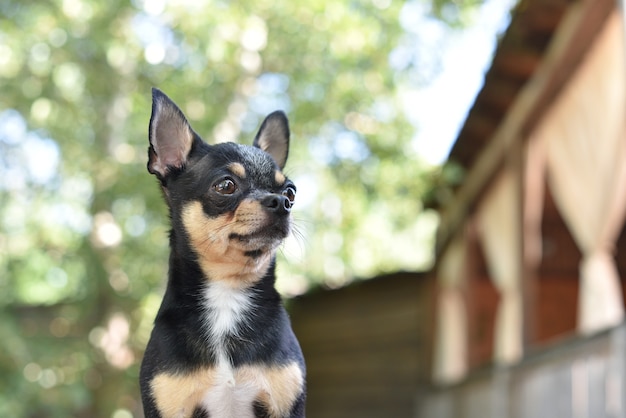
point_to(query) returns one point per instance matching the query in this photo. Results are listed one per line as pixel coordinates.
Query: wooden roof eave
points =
(572, 39)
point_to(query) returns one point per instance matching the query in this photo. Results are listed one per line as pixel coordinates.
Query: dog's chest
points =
(226, 310)
(228, 392)
(230, 395)
(223, 390)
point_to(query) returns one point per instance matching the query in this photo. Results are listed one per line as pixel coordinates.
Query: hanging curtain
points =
(450, 357)
(583, 134)
(499, 221)
(534, 189)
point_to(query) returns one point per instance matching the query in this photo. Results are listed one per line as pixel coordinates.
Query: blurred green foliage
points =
(83, 247)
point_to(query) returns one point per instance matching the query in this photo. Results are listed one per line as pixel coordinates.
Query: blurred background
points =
(377, 92)
(83, 240)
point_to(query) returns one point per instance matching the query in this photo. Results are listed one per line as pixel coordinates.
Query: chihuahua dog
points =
(222, 344)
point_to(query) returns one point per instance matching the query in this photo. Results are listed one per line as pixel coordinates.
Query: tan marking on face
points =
(237, 169)
(221, 258)
(276, 387)
(280, 178)
(248, 217)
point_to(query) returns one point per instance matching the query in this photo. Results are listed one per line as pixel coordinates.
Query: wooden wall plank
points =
(366, 346)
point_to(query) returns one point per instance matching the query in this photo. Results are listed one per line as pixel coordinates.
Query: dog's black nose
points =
(277, 203)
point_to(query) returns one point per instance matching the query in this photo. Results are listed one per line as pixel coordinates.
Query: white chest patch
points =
(229, 397)
(226, 311)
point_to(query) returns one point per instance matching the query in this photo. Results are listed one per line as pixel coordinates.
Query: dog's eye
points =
(290, 193)
(226, 186)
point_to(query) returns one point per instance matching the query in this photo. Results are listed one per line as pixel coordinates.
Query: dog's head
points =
(229, 203)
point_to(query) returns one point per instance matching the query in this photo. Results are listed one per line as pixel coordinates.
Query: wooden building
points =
(526, 300)
(529, 248)
(366, 346)
(528, 245)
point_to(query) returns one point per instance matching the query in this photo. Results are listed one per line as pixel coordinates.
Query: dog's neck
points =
(234, 268)
(225, 311)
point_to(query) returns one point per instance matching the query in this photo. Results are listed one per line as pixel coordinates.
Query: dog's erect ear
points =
(170, 136)
(273, 137)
